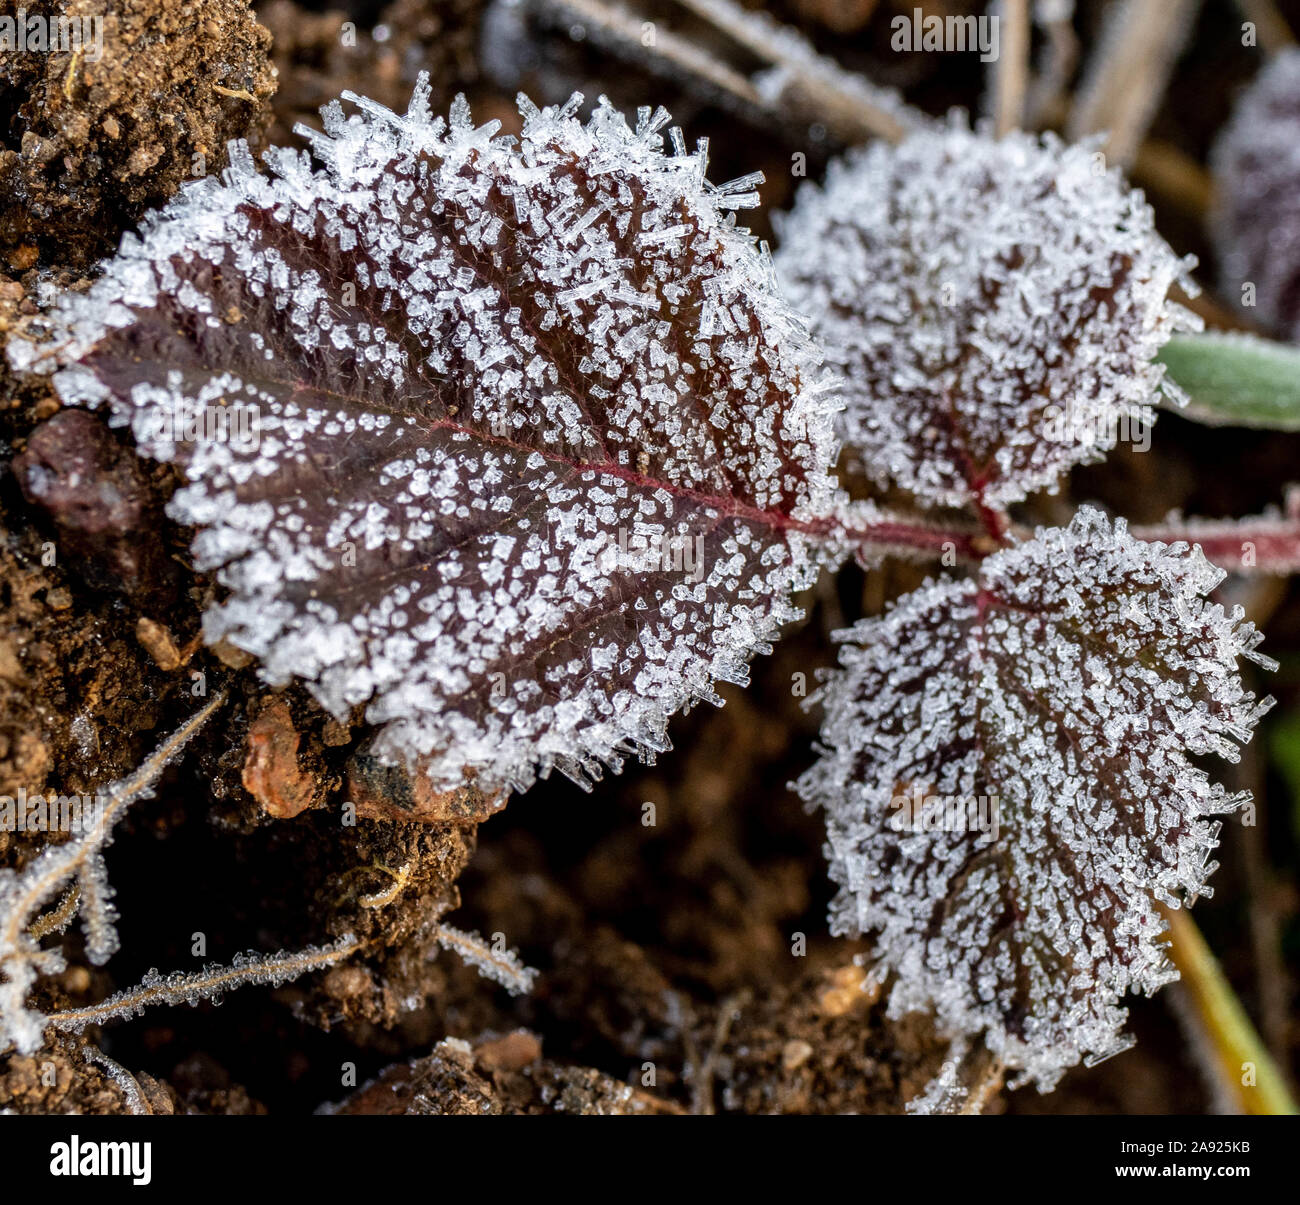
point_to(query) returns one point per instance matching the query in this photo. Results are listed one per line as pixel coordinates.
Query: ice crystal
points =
(1256, 164)
(78, 865)
(210, 983)
(993, 306)
(1008, 783)
(536, 437)
(492, 962)
(136, 1104)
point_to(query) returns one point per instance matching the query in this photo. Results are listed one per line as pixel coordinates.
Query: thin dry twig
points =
(1174, 176)
(1272, 983)
(806, 85)
(1011, 72)
(702, 1101)
(799, 86)
(618, 30)
(1129, 72)
(1047, 95)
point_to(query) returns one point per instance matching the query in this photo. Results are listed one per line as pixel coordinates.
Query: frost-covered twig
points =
(965, 1084)
(983, 1086)
(78, 861)
(135, 1101)
(273, 970)
(498, 964)
(1244, 1069)
(1267, 543)
(621, 32)
(868, 533)
(807, 85)
(58, 918)
(189, 987)
(1129, 72)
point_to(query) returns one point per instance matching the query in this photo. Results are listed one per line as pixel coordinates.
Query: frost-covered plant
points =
(76, 867)
(544, 455)
(1008, 787)
(1256, 220)
(1006, 774)
(978, 298)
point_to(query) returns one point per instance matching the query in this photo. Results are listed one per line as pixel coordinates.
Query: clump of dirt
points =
(79, 698)
(496, 1076)
(63, 1078)
(96, 493)
(821, 1045)
(73, 1077)
(144, 98)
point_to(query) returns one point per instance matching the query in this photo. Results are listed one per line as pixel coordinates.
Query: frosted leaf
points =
(994, 308)
(1256, 222)
(1008, 783)
(536, 442)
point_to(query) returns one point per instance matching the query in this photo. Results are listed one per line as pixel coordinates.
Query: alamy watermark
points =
(917, 812)
(90, 1157)
(946, 34)
(651, 552)
(25, 813)
(1073, 425)
(189, 422)
(53, 35)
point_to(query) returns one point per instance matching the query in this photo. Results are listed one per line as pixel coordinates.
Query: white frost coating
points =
(210, 983)
(1256, 218)
(484, 369)
(500, 965)
(79, 863)
(1071, 681)
(961, 287)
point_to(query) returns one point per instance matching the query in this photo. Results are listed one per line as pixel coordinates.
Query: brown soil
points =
(88, 145)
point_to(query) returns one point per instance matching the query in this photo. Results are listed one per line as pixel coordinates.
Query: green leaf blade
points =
(1236, 380)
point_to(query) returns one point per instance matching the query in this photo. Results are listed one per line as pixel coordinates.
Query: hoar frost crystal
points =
(478, 366)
